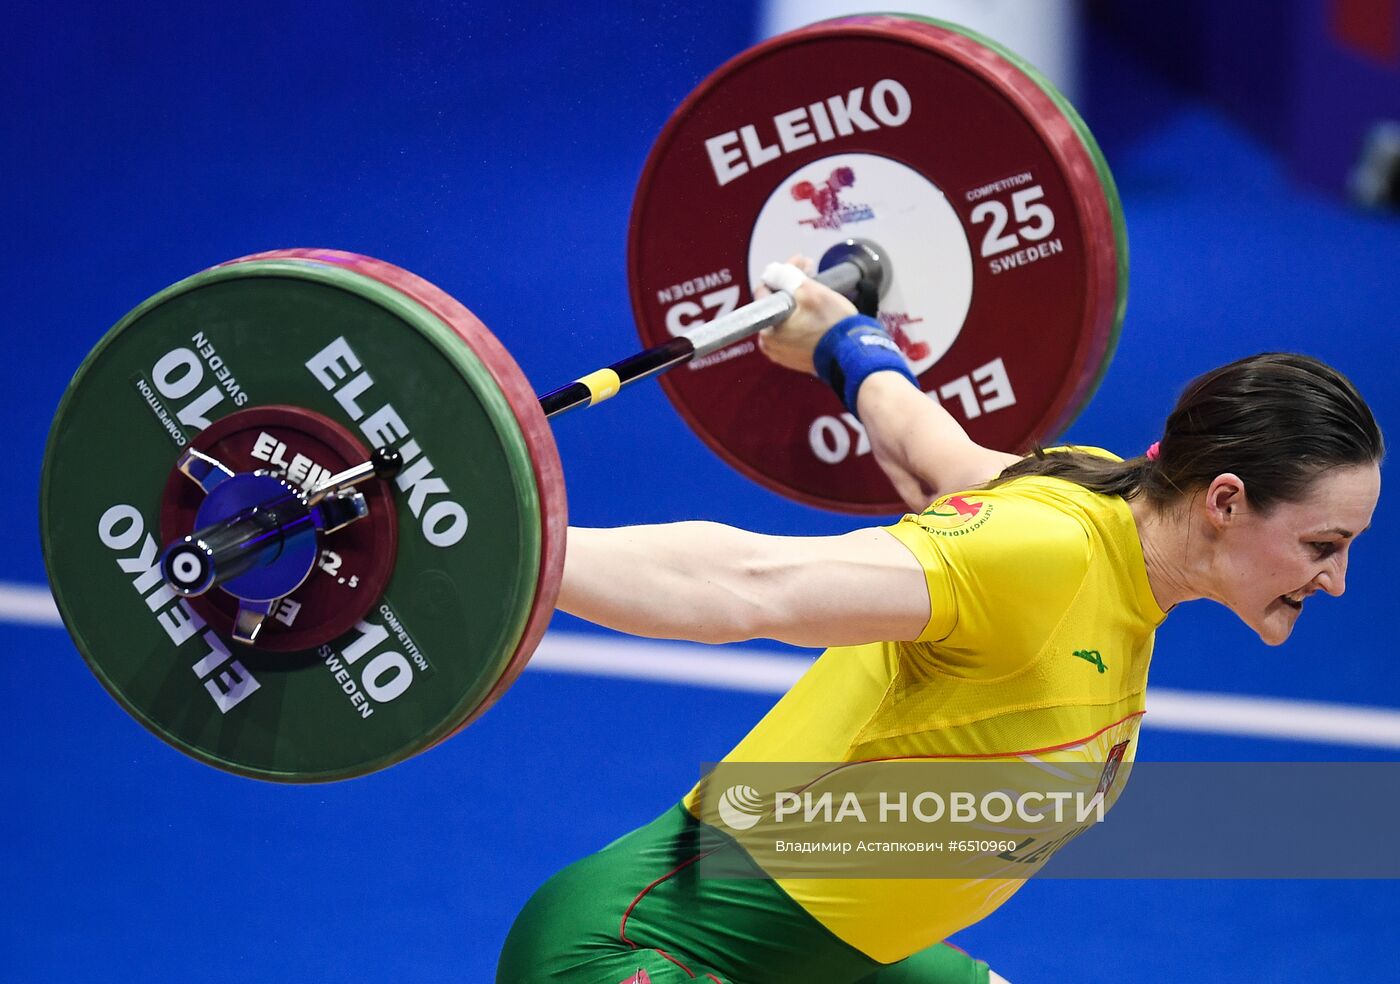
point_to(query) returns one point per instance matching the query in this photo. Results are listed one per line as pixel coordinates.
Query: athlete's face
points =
(1269, 564)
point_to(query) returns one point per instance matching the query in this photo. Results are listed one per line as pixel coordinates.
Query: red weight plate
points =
(539, 439)
(355, 562)
(975, 177)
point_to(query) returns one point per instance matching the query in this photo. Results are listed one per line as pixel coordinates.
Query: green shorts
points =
(638, 912)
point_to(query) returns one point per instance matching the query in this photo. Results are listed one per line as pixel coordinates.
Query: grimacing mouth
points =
(1295, 599)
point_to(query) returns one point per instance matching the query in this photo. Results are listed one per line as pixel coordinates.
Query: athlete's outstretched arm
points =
(918, 444)
(706, 582)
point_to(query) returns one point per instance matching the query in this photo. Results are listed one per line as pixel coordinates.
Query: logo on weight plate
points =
(927, 301)
(740, 807)
(825, 196)
(895, 322)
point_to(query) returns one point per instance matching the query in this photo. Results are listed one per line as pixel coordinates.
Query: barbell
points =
(329, 527)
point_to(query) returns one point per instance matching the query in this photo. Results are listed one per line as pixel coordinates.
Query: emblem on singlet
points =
(955, 515)
(1091, 656)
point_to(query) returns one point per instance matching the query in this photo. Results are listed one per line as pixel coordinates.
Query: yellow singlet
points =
(1037, 647)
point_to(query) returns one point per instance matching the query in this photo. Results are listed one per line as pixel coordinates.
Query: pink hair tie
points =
(1154, 451)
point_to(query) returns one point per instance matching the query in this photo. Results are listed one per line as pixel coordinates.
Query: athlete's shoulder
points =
(991, 555)
(1043, 517)
(1007, 527)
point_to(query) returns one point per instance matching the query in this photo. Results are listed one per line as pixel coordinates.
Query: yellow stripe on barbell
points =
(602, 385)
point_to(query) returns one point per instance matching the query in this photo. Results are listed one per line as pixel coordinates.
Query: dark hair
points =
(1276, 420)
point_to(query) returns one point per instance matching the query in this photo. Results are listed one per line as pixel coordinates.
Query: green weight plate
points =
(370, 356)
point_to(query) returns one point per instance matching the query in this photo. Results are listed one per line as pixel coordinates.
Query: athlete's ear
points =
(1224, 500)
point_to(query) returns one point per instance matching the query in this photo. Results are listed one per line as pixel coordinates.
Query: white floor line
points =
(1270, 717)
(669, 662)
(28, 604)
(726, 668)
(1168, 710)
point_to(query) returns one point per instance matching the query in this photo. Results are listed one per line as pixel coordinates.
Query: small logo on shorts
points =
(1111, 767)
(740, 807)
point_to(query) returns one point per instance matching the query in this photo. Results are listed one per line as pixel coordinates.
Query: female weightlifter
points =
(951, 633)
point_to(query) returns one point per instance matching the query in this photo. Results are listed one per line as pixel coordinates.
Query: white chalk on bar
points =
(783, 276)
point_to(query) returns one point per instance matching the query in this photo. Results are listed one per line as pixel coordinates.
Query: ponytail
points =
(1276, 420)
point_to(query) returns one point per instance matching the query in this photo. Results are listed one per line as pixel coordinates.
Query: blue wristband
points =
(851, 350)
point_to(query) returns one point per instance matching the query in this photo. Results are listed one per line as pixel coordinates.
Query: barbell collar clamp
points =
(206, 472)
(384, 463)
(253, 538)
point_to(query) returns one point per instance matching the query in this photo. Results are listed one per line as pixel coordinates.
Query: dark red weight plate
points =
(539, 438)
(980, 182)
(355, 562)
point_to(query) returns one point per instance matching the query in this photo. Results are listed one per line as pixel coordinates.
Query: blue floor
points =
(479, 149)
(134, 863)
